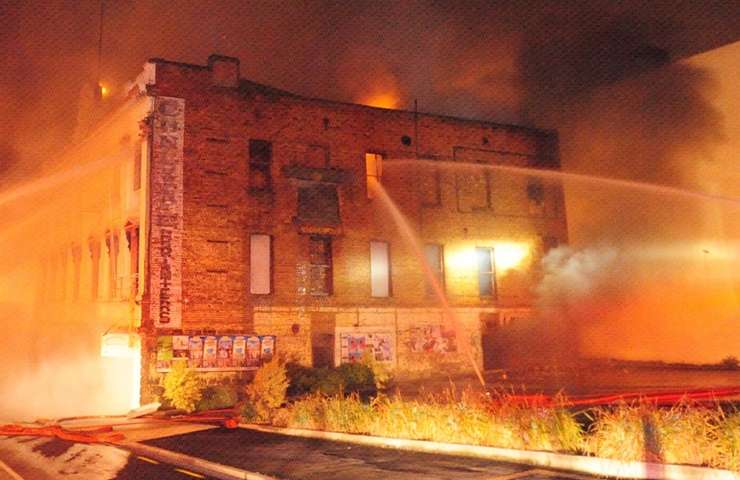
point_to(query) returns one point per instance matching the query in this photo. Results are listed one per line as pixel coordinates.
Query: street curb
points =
(575, 463)
(198, 465)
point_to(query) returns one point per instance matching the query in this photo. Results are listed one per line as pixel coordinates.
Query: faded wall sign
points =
(166, 212)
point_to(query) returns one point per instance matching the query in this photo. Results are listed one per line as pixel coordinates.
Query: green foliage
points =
(347, 378)
(182, 387)
(217, 397)
(268, 389)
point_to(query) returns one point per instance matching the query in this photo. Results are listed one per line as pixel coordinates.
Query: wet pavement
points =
(41, 458)
(298, 458)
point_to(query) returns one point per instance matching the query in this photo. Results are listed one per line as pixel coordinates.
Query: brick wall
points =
(220, 210)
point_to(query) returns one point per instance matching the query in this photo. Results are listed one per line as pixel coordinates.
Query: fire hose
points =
(659, 398)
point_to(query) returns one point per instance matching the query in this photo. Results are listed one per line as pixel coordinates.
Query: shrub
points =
(730, 363)
(347, 378)
(182, 387)
(268, 389)
(218, 397)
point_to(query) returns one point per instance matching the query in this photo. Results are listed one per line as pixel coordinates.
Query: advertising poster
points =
(210, 346)
(382, 345)
(225, 345)
(354, 345)
(196, 352)
(239, 354)
(432, 339)
(164, 352)
(215, 353)
(268, 348)
(253, 351)
(180, 346)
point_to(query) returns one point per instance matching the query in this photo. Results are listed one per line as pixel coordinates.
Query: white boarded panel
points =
(379, 269)
(259, 264)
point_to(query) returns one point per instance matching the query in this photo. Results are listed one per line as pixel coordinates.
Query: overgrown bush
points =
(266, 392)
(218, 397)
(182, 387)
(347, 378)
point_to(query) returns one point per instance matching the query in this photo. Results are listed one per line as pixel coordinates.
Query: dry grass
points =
(684, 434)
(469, 419)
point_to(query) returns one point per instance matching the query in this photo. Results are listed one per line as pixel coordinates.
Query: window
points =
(380, 270)
(435, 261)
(474, 190)
(320, 266)
(260, 161)
(260, 264)
(486, 272)
(137, 165)
(373, 172)
(318, 204)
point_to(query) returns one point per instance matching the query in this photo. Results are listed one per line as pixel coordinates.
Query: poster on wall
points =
(432, 339)
(268, 348)
(354, 345)
(214, 353)
(225, 346)
(165, 246)
(239, 352)
(180, 347)
(210, 345)
(164, 352)
(253, 351)
(196, 352)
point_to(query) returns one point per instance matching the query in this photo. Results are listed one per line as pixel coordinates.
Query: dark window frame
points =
(260, 163)
(486, 261)
(327, 265)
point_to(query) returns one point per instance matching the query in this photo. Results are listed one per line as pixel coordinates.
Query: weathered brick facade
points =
(317, 142)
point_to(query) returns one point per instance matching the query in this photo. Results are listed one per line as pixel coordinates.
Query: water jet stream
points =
(569, 176)
(413, 241)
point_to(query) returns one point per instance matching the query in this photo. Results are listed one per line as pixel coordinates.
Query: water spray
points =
(412, 240)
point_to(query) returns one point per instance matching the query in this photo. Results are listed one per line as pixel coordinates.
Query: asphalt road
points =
(297, 458)
(35, 458)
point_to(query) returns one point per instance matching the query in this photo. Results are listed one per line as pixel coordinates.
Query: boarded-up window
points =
(373, 172)
(380, 270)
(319, 204)
(434, 259)
(260, 162)
(260, 264)
(320, 266)
(486, 272)
(474, 190)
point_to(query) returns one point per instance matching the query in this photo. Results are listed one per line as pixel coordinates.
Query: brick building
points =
(257, 228)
